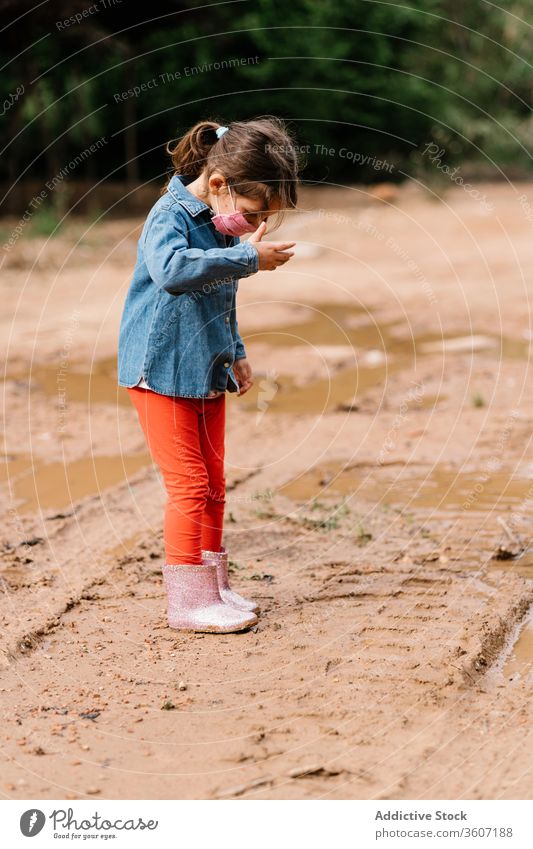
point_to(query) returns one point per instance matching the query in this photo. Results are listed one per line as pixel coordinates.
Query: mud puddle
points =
(126, 546)
(377, 350)
(519, 663)
(75, 383)
(439, 487)
(41, 486)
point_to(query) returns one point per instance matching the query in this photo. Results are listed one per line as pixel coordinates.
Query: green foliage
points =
(363, 536)
(45, 222)
(376, 79)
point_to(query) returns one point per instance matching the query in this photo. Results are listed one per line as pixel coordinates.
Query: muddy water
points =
(37, 485)
(519, 664)
(438, 487)
(99, 386)
(379, 350)
(41, 486)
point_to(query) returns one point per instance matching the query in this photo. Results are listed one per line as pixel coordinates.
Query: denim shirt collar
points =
(192, 204)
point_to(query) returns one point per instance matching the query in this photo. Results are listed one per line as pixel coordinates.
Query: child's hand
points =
(271, 254)
(243, 372)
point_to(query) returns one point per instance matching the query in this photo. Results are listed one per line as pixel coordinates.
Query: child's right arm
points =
(178, 268)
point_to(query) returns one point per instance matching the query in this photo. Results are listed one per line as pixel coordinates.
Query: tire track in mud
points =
(330, 678)
(74, 555)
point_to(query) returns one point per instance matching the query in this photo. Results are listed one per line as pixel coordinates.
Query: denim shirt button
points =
(226, 365)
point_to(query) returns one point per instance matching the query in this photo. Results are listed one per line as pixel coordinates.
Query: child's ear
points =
(216, 182)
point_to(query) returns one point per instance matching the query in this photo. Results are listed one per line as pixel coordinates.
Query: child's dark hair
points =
(258, 157)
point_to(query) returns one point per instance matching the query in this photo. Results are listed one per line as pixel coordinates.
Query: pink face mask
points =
(232, 223)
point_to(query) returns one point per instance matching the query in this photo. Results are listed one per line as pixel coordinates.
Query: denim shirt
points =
(179, 329)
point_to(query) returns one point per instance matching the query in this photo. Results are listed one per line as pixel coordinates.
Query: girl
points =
(179, 347)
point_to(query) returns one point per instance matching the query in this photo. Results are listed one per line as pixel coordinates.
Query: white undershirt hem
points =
(212, 394)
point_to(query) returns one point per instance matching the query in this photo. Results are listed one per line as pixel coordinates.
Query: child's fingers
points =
(282, 258)
(282, 246)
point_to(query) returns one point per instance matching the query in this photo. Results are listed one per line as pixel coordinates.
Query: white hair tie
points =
(220, 131)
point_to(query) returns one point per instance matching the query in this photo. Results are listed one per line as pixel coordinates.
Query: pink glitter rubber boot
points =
(195, 604)
(220, 560)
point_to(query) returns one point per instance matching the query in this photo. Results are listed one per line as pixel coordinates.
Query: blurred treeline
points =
(377, 78)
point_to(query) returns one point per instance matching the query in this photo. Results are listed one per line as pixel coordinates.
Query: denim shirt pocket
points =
(169, 312)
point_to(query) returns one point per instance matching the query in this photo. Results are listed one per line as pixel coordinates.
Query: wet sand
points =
(379, 465)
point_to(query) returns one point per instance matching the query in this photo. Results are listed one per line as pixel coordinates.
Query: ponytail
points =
(258, 157)
(190, 154)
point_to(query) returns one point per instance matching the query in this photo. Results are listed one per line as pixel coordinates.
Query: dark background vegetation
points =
(379, 78)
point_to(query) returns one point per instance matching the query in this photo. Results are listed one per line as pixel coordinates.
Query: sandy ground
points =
(381, 460)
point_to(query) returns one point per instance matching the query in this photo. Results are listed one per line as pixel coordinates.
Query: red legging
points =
(186, 440)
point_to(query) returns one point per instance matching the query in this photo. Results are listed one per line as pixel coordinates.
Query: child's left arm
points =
(241, 366)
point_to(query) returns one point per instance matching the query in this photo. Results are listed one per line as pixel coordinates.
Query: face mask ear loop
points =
(232, 201)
